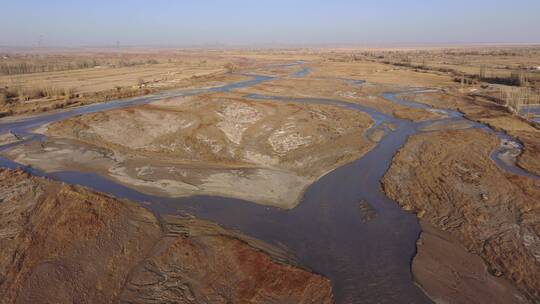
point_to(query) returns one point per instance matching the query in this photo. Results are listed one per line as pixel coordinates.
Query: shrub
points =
(230, 67)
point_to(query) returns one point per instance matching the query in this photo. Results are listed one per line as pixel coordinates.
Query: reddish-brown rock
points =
(65, 244)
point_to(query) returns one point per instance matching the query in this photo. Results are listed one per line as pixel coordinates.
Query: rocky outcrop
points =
(65, 244)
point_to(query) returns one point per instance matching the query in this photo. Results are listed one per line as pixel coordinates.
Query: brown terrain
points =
(66, 244)
(448, 179)
(495, 116)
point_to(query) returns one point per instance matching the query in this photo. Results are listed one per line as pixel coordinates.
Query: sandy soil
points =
(449, 180)
(7, 138)
(333, 81)
(261, 151)
(380, 73)
(119, 75)
(448, 273)
(101, 79)
(105, 93)
(65, 244)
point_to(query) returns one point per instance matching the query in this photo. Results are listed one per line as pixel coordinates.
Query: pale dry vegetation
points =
(41, 82)
(509, 76)
(517, 66)
(15, 64)
(515, 98)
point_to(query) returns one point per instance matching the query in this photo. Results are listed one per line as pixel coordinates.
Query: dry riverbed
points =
(261, 151)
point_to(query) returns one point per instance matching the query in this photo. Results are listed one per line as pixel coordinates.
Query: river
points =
(367, 258)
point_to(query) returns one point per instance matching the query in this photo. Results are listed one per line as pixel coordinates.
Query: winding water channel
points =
(367, 259)
(532, 111)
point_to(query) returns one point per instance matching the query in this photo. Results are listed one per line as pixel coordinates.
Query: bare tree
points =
(515, 97)
(482, 74)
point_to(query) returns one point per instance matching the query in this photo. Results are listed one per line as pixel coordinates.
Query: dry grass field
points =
(490, 63)
(509, 76)
(44, 82)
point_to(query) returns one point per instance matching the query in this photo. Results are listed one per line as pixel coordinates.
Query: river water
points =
(367, 258)
(532, 111)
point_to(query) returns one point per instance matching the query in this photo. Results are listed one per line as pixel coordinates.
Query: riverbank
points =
(321, 221)
(211, 144)
(448, 179)
(344, 226)
(118, 251)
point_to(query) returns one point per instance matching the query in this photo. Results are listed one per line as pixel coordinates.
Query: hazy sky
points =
(236, 22)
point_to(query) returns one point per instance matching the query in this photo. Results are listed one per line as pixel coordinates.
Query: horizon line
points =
(226, 46)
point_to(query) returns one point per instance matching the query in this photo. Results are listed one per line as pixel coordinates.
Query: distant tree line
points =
(30, 65)
(14, 68)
